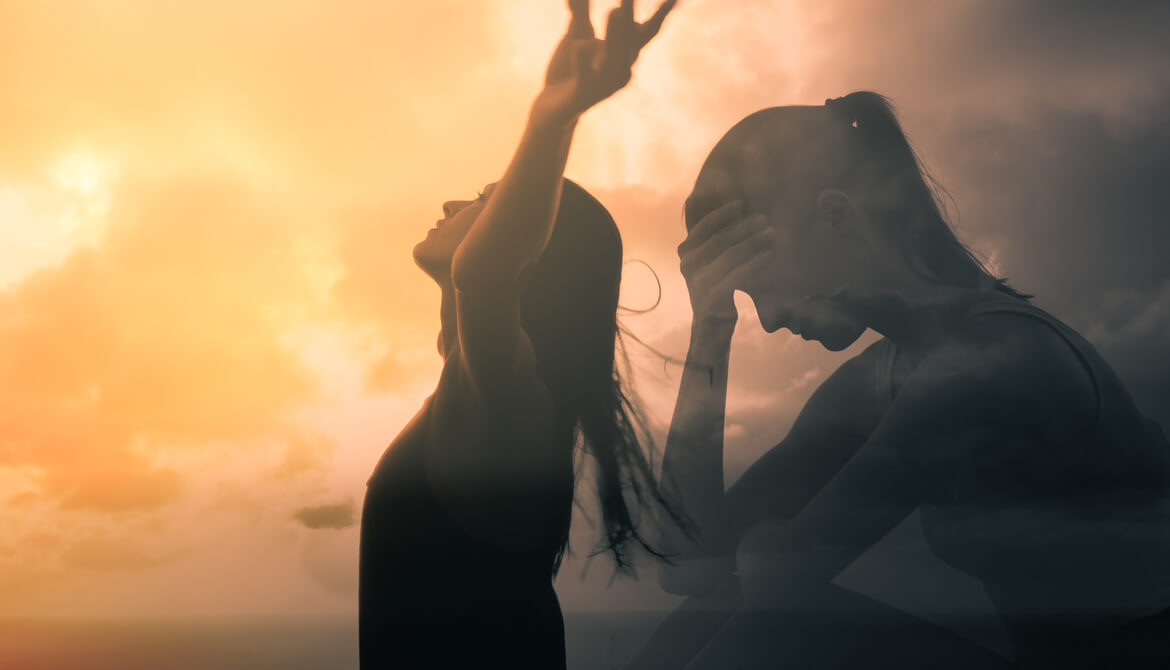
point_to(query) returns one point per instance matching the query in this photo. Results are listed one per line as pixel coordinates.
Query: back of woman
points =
(1068, 529)
(1034, 470)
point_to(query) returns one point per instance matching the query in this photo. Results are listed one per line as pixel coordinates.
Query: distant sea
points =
(600, 641)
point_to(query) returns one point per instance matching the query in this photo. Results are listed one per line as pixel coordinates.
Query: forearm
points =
(692, 465)
(517, 221)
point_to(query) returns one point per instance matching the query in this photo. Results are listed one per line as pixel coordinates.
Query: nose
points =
(451, 207)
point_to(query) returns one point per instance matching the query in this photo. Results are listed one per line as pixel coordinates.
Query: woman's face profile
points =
(816, 257)
(434, 253)
(809, 265)
(810, 260)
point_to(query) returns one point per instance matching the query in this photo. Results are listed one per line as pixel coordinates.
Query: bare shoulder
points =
(1009, 365)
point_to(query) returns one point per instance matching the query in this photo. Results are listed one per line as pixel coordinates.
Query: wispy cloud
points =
(333, 516)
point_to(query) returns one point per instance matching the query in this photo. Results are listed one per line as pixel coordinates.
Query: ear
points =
(836, 210)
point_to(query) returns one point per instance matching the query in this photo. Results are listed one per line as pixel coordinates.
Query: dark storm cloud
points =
(335, 517)
(1079, 215)
(1138, 345)
(1075, 209)
(1047, 123)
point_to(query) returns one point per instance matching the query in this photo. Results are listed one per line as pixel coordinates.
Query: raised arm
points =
(692, 465)
(491, 392)
(509, 234)
(720, 251)
(517, 220)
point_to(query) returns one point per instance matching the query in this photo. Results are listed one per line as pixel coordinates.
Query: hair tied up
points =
(836, 106)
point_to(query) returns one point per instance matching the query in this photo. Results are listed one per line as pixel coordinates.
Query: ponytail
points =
(874, 154)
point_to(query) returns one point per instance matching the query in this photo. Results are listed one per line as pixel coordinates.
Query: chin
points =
(428, 263)
(838, 338)
(768, 320)
(835, 345)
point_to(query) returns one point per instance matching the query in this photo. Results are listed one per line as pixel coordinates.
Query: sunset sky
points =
(211, 327)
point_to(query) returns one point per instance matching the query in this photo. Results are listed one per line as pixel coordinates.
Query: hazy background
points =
(210, 325)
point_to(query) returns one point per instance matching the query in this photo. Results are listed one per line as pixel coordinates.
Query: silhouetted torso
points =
(432, 594)
(1068, 530)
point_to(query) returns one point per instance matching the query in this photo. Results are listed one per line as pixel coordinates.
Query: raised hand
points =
(585, 70)
(720, 253)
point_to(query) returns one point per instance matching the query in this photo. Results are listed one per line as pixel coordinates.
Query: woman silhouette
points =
(467, 513)
(1033, 469)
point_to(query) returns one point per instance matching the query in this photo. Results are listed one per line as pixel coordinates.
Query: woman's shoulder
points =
(1023, 337)
(1033, 362)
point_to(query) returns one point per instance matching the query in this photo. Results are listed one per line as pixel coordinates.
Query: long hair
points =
(569, 311)
(874, 154)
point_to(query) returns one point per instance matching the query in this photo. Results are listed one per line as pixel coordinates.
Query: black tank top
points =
(431, 594)
(1101, 555)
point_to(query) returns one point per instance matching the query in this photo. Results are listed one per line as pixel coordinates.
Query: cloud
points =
(1044, 120)
(122, 554)
(330, 560)
(276, 165)
(123, 489)
(165, 335)
(306, 453)
(24, 497)
(335, 517)
(1133, 333)
(1076, 209)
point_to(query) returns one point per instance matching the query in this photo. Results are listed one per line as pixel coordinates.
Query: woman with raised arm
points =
(1034, 471)
(466, 515)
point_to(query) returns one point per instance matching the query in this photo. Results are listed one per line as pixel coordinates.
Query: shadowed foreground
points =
(601, 641)
(593, 641)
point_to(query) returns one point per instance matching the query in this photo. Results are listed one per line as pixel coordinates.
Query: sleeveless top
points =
(1078, 529)
(432, 594)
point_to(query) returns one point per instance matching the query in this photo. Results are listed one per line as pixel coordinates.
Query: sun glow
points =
(82, 180)
(43, 219)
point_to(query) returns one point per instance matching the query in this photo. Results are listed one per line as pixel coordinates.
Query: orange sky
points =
(209, 318)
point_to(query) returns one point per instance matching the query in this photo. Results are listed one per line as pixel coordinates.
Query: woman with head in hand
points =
(1032, 468)
(466, 515)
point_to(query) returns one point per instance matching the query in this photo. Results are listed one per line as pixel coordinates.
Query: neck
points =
(448, 320)
(918, 316)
